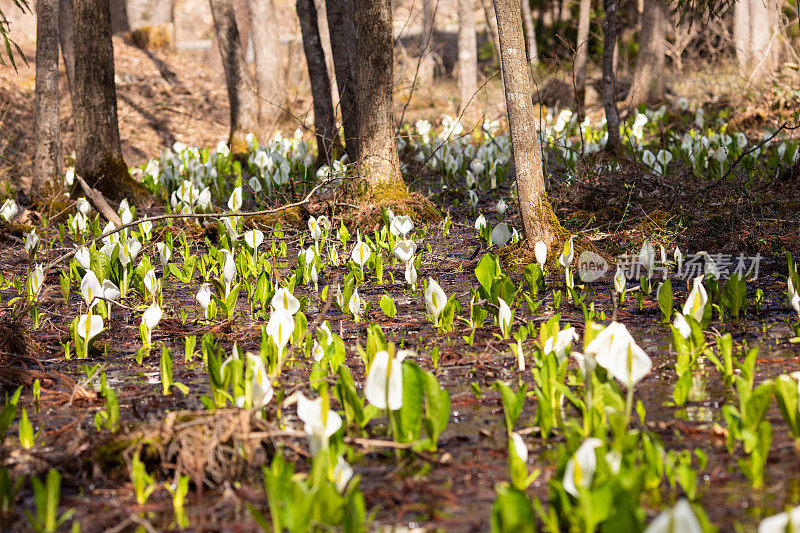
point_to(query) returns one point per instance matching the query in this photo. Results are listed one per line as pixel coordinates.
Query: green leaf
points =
(486, 272)
(665, 300)
(512, 512)
(388, 306)
(409, 416)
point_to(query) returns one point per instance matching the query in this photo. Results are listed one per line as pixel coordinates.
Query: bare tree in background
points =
(97, 145)
(267, 54)
(582, 56)
(538, 219)
(343, 43)
(530, 33)
(241, 97)
(467, 53)
(609, 81)
(427, 42)
(755, 22)
(379, 164)
(648, 78)
(324, 123)
(325, 39)
(47, 132)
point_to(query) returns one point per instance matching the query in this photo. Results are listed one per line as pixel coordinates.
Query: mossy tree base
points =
(115, 182)
(371, 198)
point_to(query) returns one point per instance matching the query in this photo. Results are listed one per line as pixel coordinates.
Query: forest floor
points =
(165, 97)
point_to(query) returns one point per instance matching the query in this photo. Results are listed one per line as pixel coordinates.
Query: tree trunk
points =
(530, 33)
(119, 17)
(609, 82)
(582, 56)
(648, 78)
(241, 97)
(325, 38)
(490, 27)
(324, 123)
(379, 164)
(47, 133)
(143, 13)
(754, 23)
(538, 218)
(97, 146)
(467, 53)
(426, 65)
(267, 53)
(66, 36)
(343, 43)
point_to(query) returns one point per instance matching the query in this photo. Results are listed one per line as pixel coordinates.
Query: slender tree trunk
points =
(427, 42)
(324, 123)
(609, 82)
(530, 33)
(97, 146)
(754, 23)
(467, 53)
(582, 56)
(379, 164)
(538, 219)
(241, 97)
(648, 78)
(119, 17)
(343, 43)
(267, 53)
(66, 36)
(565, 10)
(325, 38)
(490, 27)
(47, 133)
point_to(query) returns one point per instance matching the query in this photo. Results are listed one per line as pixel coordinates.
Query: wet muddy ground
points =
(453, 489)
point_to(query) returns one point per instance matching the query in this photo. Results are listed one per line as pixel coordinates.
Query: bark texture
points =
(609, 81)
(379, 164)
(267, 55)
(97, 146)
(343, 43)
(538, 218)
(327, 136)
(241, 97)
(648, 78)
(66, 36)
(47, 133)
(467, 53)
(530, 33)
(582, 56)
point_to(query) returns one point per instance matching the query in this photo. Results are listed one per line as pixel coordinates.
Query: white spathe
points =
(559, 342)
(91, 288)
(152, 316)
(254, 238)
(680, 518)
(565, 259)
(520, 448)
(581, 466)
(615, 350)
(695, 305)
(404, 250)
(280, 328)
(318, 425)
(501, 234)
(435, 299)
(360, 254)
(89, 326)
(384, 385)
(540, 252)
